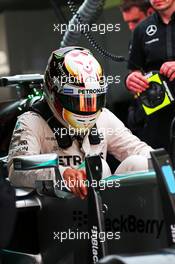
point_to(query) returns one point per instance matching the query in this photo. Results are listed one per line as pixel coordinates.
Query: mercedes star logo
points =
(151, 30)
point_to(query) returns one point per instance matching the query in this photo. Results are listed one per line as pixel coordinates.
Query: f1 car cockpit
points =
(134, 215)
(125, 219)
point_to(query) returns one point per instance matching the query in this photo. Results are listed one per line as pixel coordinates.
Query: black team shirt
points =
(153, 43)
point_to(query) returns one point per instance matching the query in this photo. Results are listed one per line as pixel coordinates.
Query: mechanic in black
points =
(153, 48)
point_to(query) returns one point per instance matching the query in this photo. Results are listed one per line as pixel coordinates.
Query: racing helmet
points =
(75, 88)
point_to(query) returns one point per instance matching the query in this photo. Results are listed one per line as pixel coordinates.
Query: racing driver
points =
(73, 122)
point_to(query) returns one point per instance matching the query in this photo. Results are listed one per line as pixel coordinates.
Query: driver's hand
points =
(136, 82)
(75, 181)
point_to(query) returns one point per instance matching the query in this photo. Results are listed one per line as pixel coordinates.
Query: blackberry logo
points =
(95, 246)
(80, 218)
(130, 224)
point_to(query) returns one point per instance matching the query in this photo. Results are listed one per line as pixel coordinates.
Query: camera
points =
(158, 95)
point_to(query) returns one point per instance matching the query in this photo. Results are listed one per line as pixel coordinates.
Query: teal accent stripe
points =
(169, 177)
(148, 174)
(47, 163)
(81, 166)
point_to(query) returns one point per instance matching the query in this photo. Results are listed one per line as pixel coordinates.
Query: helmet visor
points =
(81, 104)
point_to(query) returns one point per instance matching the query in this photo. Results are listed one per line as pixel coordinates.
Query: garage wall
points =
(31, 38)
(4, 64)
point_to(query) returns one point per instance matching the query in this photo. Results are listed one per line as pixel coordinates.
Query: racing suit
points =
(32, 135)
(153, 44)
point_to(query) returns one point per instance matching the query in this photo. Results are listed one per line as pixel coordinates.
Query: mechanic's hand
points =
(168, 69)
(75, 181)
(136, 82)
